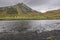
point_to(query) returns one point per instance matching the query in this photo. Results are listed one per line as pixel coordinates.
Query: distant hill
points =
(54, 14)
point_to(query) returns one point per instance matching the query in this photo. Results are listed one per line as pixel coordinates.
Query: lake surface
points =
(34, 24)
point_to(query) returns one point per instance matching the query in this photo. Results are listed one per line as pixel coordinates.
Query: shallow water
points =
(34, 24)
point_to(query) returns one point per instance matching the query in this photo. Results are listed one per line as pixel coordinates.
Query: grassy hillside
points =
(23, 12)
(54, 14)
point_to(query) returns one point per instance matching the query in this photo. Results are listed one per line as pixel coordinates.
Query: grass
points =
(22, 18)
(41, 17)
(26, 18)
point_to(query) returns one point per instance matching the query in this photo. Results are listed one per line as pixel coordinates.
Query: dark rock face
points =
(2, 9)
(50, 35)
(12, 10)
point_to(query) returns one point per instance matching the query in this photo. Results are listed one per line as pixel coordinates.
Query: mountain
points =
(19, 9)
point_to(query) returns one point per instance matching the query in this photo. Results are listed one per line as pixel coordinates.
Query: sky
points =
(39, 5)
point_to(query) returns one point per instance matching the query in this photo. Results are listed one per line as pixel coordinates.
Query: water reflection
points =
(42, 25)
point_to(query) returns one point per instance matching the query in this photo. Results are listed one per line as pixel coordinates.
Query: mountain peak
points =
(20, 4)
(17, 9)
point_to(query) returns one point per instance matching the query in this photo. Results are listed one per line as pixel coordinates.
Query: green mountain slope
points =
(19, 9)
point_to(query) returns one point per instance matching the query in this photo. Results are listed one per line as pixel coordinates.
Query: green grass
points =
(28, 18)
(22, 18)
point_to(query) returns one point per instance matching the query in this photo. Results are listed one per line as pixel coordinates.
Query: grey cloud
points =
(9, 2)
(43, 2)
(36, 2)
(44, 5)
(40, 5)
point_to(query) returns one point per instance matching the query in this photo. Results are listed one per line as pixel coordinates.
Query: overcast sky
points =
(39, 5)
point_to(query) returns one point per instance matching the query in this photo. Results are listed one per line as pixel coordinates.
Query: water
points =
(46, 25)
